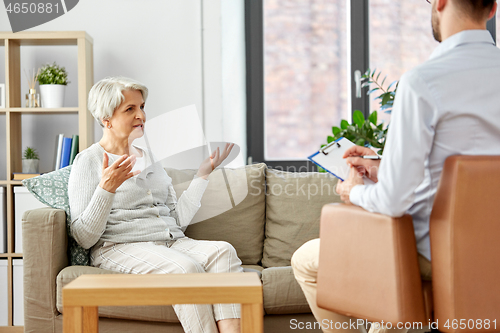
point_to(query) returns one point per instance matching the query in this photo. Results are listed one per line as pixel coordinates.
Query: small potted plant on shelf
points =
(30, 160)
(53, 80)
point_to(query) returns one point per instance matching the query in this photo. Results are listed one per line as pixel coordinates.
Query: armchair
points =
(369, 268)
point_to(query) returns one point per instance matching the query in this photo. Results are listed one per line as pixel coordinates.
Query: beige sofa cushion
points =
(236, 215)
(146, 313)
(293, 208)
(282, 293)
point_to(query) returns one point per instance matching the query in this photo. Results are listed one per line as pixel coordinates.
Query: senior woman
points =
(135, 227)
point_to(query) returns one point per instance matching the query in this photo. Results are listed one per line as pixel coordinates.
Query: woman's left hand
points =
(209, 165)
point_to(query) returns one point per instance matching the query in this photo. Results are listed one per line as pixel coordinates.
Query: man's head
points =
(460, 15)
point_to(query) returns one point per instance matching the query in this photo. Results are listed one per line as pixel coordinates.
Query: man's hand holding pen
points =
(362, 164)
(368, 167)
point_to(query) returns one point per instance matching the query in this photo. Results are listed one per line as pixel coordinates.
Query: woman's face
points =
(129, 117)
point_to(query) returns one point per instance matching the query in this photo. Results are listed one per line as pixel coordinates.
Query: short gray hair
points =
(107, 94)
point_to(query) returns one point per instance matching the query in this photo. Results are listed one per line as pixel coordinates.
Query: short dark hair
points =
(476, 9)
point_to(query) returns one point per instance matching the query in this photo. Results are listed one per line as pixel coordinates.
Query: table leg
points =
(79, 319)
(73, 319)
(252, 318)
(90, 319)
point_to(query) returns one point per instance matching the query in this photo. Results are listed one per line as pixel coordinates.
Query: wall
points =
(162, 43)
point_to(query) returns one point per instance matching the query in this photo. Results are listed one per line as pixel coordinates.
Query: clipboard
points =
(330, 158)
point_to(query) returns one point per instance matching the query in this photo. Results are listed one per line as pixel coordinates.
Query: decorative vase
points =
(30, 166)
(52, 95)
(32, 99)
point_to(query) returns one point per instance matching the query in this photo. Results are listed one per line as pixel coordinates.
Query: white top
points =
(140, 162)
(450, 105)
(143, 209)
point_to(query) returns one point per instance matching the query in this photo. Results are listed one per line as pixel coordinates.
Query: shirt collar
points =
(463, 37)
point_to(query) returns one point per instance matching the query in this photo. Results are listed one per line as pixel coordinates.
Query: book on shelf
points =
(65, 152)
(74, 148)
(59, 143)
(21, 176)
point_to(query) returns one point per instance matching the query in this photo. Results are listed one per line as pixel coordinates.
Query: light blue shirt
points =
(449, 105)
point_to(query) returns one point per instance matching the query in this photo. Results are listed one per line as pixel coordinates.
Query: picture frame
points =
(2, 95)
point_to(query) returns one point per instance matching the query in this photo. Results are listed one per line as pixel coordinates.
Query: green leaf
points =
(335, 130)
(373, 90)
(382, 84)
(358, 118)
(373, 118)
(387, 97)
(330, 139)
(360, 142)
(344, 124)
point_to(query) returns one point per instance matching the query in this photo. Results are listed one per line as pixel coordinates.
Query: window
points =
(400, 39)
(302, 56)
(305, 83)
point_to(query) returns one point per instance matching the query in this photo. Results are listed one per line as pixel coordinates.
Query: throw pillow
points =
(293, 208)
(52, 190)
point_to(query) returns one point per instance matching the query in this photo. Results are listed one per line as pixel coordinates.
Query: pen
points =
(369, 157)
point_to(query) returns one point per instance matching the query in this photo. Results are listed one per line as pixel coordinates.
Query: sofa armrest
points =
(368, 266)
(45, 255)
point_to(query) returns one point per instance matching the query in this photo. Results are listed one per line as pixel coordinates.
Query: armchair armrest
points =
(368, 266)
(45, 255)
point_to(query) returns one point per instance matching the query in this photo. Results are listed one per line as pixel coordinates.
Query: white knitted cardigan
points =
(144, 208)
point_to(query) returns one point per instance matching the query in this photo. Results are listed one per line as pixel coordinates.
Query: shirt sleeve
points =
(90, 205)
(409, 142)
(184, 209)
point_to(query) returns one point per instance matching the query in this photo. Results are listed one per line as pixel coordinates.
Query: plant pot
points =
(52, 95)
(30, 166)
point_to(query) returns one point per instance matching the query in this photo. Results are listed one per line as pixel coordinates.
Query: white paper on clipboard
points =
(332, 159)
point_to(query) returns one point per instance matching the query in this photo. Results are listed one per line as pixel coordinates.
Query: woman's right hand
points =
(367, 167)
(118, 172)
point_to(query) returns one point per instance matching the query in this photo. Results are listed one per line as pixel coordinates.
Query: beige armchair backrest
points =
(465, 241)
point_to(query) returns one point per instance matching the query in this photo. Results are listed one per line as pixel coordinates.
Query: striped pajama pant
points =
(183, 255)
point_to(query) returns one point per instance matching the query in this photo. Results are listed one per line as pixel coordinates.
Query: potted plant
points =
(368, 132)
(53, 80)
(30, 160)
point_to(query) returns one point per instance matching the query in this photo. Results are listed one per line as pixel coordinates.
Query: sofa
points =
(266, 214)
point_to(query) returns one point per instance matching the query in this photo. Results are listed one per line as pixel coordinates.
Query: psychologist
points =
(447, 106)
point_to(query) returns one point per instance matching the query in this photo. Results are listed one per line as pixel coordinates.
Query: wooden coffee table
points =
(82, 296)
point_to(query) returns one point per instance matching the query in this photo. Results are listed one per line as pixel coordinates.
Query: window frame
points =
(358, 53)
